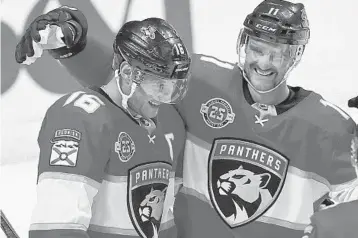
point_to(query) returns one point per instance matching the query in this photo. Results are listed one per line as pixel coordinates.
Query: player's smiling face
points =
(143, 104)
(266, 63)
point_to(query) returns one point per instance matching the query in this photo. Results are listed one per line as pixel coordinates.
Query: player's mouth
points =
(263, 72)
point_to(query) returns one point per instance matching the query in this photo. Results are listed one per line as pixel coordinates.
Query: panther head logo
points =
(151, 209)
(247, 190)
(152, 205)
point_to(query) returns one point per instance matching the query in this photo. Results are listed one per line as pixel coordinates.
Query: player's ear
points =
(125, 71)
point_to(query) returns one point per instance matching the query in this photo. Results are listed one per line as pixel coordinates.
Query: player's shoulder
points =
(84, 105)
(327, 115)
(206, 67)
(211, 62)
(210, 71)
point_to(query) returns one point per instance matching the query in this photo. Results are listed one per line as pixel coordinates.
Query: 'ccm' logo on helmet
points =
(265, 28)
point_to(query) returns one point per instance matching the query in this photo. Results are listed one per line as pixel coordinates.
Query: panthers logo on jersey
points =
(147, 188)
(245, 179)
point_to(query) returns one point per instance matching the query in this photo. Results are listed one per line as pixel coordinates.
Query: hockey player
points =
(106, 159)
(262, 159)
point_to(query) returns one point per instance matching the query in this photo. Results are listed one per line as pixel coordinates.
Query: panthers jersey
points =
(101, 174)
(251, 170)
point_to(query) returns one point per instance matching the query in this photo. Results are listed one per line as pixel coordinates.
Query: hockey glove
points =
(62, 32)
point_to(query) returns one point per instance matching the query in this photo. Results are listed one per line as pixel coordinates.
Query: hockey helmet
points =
(153, 47)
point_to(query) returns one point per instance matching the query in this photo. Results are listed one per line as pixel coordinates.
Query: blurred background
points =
(208, 26)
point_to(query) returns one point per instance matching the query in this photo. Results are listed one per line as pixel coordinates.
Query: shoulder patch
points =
(124, 147)
(217, 113)
(64, 151)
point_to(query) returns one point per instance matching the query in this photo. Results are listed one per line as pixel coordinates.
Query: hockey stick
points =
(6, 227)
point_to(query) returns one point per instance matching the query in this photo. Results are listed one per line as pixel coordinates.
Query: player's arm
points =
(63, 33)
(336, 215)
(73, 156)
(339, 221)
(92, 66)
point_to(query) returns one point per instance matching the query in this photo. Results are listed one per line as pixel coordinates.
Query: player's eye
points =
(238, 176)
(152, 199)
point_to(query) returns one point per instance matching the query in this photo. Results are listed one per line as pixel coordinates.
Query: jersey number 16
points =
(89, 103)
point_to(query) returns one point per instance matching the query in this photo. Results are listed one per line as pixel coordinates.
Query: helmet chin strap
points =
(270, 90)
(125, 97)
(242, 56)
(148, 124)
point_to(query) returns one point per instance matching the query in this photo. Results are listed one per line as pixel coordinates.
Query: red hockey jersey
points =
(101, 174)
(251, 173)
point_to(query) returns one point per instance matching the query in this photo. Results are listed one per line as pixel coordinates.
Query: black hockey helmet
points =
(153, 46)
(280, 22)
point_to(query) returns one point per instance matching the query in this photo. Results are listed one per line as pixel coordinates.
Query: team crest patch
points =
(217, 113)
(245, 179)
(124, 147)
(147, 188)
(64, 151)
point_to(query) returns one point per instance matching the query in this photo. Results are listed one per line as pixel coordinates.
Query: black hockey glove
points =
(62, 32)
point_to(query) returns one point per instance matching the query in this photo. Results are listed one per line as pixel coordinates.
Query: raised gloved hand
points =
(62, 31)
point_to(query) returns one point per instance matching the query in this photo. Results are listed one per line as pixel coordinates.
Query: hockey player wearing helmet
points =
(151, 67)
(269, 46)
(108, 155)
(261, 158)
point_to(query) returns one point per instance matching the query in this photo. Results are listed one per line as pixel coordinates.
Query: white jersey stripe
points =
(54, 226)
(282, 223)
(69, 177)
(58, 196)
(113, 230)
